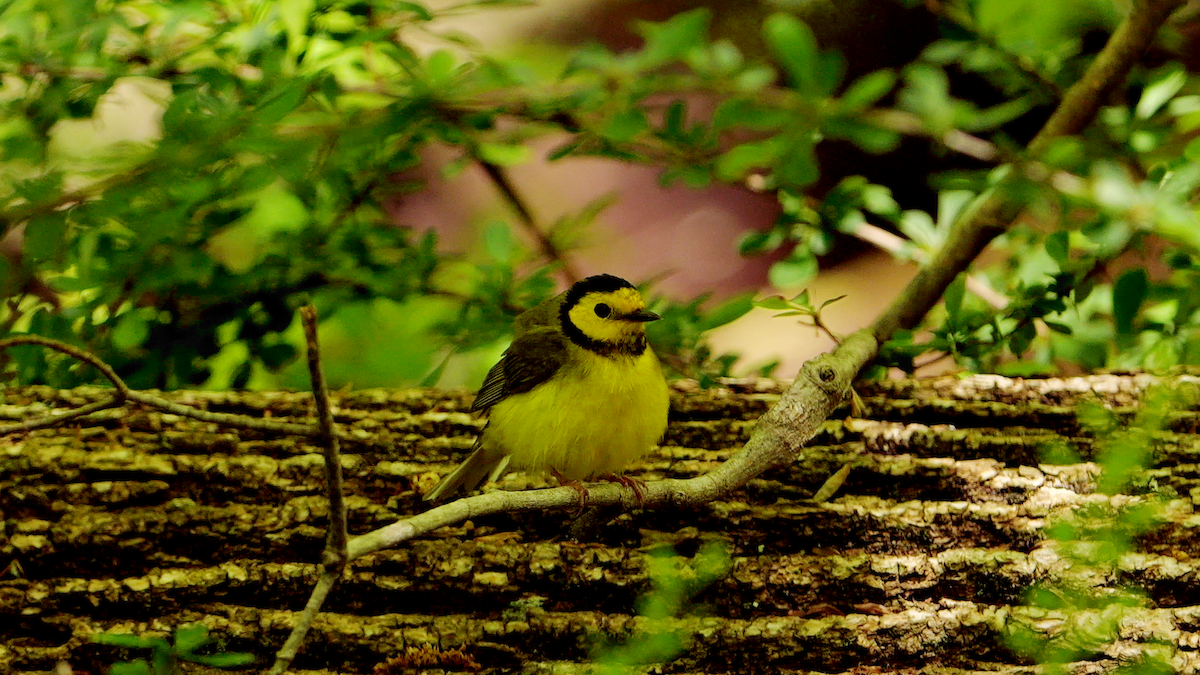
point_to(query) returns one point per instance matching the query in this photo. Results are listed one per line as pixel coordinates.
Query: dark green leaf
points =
(46, 237)
(798, 167)
(1128, 293)
(277, 356)
(672, 39)
(1058, 246)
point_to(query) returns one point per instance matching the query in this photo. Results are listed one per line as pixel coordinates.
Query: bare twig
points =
(901, 247)
(334, 558)
(115, 401)
(125, 394)
(549, 249)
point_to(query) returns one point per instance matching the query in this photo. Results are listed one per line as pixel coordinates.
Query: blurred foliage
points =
(1098, 540)
(274, 135)
(166, 656)
(674, 582)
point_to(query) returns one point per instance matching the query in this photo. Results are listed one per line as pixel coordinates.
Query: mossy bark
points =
(136, 521)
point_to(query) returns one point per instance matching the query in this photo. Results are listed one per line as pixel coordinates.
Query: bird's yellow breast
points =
(594, 416)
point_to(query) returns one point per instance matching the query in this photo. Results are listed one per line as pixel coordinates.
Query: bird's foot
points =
(577, 485)
(638, 487)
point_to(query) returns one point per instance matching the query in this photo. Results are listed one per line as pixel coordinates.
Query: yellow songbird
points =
(579, 393)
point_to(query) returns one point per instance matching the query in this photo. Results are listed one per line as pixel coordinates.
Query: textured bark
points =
(138, 522)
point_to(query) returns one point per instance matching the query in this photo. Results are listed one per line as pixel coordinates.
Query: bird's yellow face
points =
(609, 320)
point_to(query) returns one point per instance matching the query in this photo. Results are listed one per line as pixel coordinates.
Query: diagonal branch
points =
(993, 211)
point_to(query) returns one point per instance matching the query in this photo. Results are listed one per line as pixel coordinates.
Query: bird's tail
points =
(480, 464)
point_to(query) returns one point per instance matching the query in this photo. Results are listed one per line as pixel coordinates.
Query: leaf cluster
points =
(166, 655)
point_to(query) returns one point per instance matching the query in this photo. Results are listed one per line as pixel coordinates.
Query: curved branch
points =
(778, 438)
(115, 401)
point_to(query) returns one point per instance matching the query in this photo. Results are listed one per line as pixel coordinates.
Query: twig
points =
(778, 438)
(334, 558)
(549, 249)
(899, 247)
(951, 13)
(125, 394)
(115, 401)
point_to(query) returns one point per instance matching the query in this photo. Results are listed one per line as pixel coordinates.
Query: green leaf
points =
(625, 125)
(137, 667)
(295, 15)
(868, 89)
(46, 237)
(795, 47)
(191, 637)
(1058, 246)
(499, 243)
(728, 311)
(1128, 293)
(736, 162)
(874, 139)
(794, 271)
(127, 641)
(757, 242)
(279, 104)
(132, 330)
(773, 302)
(672, 39)
(798, 167)
(746, 113)
(1166, 83)
(422, 12)
(504, 154)
(954, 297)
(440, 68)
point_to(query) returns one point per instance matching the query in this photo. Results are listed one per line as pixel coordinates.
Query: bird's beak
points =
(641, 316)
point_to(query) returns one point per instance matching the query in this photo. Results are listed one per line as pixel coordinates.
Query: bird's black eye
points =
(603, 311)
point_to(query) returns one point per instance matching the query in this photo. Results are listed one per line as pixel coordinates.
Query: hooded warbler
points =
(579, 392)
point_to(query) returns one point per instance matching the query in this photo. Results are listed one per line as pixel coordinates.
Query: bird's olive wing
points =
(529, 361)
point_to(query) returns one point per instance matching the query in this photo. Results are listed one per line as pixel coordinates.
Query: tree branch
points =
(993, 211)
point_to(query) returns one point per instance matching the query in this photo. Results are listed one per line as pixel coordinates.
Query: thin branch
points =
(900, 247)
(115, 401)
(224, 419)
(334, 558)
(125, 394)
(291, 647)
(549, 249)
(951, 13)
